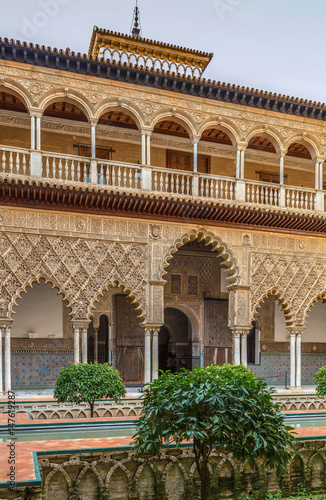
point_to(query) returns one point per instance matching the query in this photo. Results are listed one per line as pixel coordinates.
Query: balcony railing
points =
(17, 163)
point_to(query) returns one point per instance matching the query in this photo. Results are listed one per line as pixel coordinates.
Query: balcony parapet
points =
(81, 173)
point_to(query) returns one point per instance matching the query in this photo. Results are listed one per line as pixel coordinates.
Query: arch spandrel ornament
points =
(79, 269)
(217, 245)
(300, 281)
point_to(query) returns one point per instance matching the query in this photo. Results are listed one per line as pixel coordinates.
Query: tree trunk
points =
(204, 480)
(92, 409)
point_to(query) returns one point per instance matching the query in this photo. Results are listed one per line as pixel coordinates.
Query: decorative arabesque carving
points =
(295, 281)
(81, 269)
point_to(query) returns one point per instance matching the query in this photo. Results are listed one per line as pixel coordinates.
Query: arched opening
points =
(313, 342)
(179, 155)
(98, 340)
(219, 164)
(175, 341)
(266, 169)
(73, 140)
(197, 286)
(298, 165)
(13, 134)
(128, 336)
(117, 137)
(253, 348)
(270, 335)
(42, 337)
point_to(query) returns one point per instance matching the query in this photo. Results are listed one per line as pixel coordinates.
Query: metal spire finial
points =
(135, 29)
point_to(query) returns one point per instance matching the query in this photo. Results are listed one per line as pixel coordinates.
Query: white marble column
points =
(317, 174)
(195, 153)
(7, 359)
(38, 133)
(93, 139)
(84, 344)
(244, 355)
(32, 132)
(143, 148)
(298, 361)
(238, 163)
(155, 353)
(147, 362)
(281, 168)
(76, 345)
(236, 336)
(292, 359)
(1, 381)
(148, 152)
(321, 175)
(242, 161)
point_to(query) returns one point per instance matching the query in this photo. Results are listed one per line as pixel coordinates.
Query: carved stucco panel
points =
(80, 269)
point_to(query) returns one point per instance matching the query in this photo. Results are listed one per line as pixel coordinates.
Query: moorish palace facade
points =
(146, 211)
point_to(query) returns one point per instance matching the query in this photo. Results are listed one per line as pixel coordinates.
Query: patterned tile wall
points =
(272, 367)
(37, 369)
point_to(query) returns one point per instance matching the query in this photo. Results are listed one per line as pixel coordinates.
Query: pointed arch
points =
(71, 96)
(57, 469)
(29, 284)
(136, 300)
(121, 467)
(284, 303)
(217, 246)
(227, 126)
(14, 88)
(318, 296)
(268, 133)
(177, 116)
(123, 105)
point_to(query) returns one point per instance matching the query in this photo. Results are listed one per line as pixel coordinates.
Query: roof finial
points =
(135, 29)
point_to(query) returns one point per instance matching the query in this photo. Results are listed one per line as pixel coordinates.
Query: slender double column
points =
(93, 138)
(295, 358)
(319, 174)
(195, 142)
(80, 329)
(151, 365)
(146, 147)
(5, 333)
(240, 159)
(240, 345)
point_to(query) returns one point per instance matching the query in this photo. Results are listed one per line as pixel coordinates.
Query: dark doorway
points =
(103, 340)
(251, 345)
(175, 341)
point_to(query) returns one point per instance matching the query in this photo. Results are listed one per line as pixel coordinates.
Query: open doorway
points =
(175, 344)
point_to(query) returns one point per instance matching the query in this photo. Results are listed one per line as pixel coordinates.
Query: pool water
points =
(303, 421)
(59, 434)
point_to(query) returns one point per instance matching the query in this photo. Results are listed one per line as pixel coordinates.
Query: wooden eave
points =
(42, 195)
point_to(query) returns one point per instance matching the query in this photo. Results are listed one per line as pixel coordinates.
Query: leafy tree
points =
(217, 406)
(84, 383)
(320, 380)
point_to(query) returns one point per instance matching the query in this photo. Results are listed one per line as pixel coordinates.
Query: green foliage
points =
(220, 405)
(279, 496)
(320, 380)
(84, 383)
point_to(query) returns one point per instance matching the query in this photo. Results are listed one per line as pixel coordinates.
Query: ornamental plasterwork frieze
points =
(94, 92)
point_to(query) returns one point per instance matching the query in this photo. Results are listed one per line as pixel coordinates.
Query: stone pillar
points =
(93, 138)
(148, 152)
(298, 361)
(244, 355)
(84, 344)
(143, 148)
(76, 345)
(292, 359)
(1, 381)
(147, 357)
(195, 153)
(96, 344)
(32, 132)
(38, 133)
(7, 359)
(236, 337)
(155, 353)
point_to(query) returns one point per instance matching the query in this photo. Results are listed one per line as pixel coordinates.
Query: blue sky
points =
(275, 45)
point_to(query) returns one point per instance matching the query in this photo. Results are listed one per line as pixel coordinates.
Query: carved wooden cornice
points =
(169, 208)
